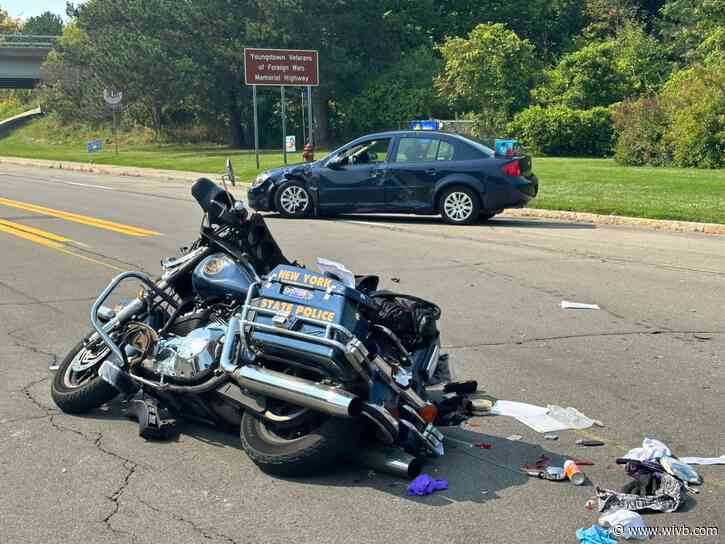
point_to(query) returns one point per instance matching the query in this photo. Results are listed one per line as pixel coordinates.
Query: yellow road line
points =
(34, 231)
(82, 219)
(50, 243)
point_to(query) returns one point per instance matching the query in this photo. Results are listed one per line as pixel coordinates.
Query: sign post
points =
(309, 111)
(283, 68)
(114, 100)
(256, 124)
(284, 123)
(304, 126)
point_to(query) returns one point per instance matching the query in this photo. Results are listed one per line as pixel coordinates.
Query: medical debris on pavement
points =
(425, 485)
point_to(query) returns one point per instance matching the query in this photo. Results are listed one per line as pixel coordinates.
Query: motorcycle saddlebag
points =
(304, 318)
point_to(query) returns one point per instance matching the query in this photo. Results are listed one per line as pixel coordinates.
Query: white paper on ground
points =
(566, 305)
(337, 269)
(534, 417)
(571, 417)
(704, 460)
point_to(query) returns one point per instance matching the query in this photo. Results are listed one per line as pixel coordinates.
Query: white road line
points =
(88, 185)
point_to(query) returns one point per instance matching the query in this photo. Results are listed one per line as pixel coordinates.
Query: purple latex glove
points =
(425, 485)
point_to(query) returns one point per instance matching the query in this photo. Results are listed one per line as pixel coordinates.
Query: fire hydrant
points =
(308, 152)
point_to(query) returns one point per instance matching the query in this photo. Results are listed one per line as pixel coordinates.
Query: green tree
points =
(488, 73)
(401, 93)
(139, 48)
(585, 78)
(46, 24)
(695, 29)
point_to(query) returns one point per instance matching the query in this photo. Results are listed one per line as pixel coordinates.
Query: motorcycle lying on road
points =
(308, 365)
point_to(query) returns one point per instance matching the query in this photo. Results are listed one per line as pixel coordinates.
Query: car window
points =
(466, 152)
(416, 149)
(367, 152)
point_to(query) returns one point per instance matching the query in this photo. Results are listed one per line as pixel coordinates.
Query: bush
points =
(640, 125)
(684, 125)
(562, 131)
(694, 102)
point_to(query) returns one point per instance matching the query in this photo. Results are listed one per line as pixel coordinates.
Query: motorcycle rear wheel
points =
(76, 394)
(297, 456)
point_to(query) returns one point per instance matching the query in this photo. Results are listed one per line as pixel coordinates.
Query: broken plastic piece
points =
(566, 305)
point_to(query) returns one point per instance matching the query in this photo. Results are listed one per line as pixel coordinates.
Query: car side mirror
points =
(335, 163)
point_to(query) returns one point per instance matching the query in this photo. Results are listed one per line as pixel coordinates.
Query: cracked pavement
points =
(650, 363)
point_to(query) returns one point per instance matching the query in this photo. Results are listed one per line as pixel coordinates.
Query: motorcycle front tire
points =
(302, 456)
(78, 399)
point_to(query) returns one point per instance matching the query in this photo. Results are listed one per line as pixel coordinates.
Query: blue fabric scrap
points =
(594, 535)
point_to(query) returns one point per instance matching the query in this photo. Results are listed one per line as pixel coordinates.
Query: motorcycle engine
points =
(186, 356)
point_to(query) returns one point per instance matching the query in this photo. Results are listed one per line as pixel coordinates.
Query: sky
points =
(30, 8)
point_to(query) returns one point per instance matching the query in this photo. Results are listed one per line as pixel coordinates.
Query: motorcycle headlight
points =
(261, 178)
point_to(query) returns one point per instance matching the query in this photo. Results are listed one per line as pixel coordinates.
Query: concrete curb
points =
(574, 217)
(651, 224)
(130, 171)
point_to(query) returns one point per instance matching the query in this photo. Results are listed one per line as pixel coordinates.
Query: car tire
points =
(293, 200)
(459, 206)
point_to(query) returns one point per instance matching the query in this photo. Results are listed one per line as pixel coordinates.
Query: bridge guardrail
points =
(27, 40)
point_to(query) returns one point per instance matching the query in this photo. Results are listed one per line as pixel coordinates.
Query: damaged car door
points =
(354, 178)
(419, 162)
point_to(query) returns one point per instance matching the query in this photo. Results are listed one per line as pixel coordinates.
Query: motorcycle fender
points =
(110, 371)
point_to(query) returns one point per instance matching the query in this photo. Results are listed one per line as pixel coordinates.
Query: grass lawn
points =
(583, 185)
(602, 186)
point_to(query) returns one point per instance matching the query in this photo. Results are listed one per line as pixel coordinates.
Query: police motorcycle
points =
(310, 366)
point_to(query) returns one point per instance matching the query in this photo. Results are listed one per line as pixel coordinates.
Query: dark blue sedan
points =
(400, 172)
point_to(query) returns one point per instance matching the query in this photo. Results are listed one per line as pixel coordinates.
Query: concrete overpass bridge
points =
(21, 57)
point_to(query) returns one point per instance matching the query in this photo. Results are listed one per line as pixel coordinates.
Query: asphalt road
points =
(649, 363)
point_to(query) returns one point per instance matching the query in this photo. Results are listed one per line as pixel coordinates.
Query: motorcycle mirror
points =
(230, 173)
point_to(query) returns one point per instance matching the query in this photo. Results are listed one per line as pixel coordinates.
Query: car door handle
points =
(431, 171)
(377, 172)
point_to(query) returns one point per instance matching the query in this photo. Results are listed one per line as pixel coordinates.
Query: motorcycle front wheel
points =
(77, 387)
(298, 446)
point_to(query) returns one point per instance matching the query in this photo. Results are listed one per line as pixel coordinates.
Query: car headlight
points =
(261, 178)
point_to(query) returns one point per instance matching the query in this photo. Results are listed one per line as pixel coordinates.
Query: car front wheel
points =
(459, 206)
(293, 200)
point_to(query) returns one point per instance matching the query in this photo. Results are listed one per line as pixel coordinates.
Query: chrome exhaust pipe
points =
(391, 461)
(305, 393)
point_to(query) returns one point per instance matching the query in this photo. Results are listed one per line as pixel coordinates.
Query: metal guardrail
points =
(27, 40)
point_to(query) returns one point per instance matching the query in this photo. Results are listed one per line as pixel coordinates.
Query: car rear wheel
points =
(459, 206)
(293, 200)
